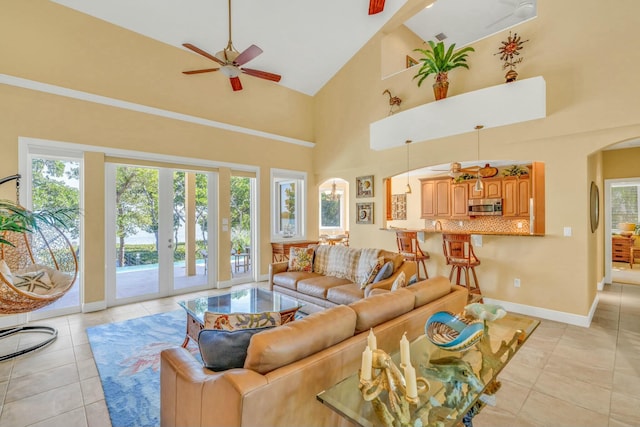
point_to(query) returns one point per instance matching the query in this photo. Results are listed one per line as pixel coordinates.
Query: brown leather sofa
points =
(319, 291)
(287, 366)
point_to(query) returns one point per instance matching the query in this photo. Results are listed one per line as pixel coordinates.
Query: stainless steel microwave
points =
(482, 207)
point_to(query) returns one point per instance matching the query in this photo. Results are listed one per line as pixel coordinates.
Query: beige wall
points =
(584, 114)
(592, 93)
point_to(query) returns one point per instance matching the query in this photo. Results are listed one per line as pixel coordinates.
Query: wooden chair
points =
(409, 248)
(458, 253)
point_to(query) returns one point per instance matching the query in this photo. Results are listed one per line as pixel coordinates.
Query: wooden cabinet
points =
(459, 200)
(621, 249)
(492, 189)
(516, 192)
(435, 198)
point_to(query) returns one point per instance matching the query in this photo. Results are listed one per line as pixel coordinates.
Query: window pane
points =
(288, 208)
(624, 205)
(330, 210)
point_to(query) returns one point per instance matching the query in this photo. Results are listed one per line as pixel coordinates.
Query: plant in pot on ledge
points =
(439, 61)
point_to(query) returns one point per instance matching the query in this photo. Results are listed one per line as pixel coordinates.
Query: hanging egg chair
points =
(38, 265)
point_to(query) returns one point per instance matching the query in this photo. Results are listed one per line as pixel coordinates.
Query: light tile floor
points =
(563, 376)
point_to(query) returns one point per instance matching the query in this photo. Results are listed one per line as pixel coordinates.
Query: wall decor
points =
(594, 206)
(509, 51)
(364, 186)
(364, 212)
(410, 62)
(399, 206)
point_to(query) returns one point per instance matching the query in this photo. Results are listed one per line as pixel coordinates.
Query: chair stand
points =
(4, 333)
(472, 287)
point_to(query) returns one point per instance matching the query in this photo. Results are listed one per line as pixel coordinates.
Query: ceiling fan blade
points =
(262, 74)
(206, 70)
(499, 20)
(235, 83)
(202, 52)
(376, 6)
(248, 54)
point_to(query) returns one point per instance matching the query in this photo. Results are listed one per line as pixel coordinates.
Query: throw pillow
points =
(301, 259)
(222, 349)
(385, 272)
(374, 272)
(400, 282)
(6, 271)
(35, 281)
(234, 321)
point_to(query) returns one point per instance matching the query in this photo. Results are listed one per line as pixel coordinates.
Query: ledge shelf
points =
(500, 105)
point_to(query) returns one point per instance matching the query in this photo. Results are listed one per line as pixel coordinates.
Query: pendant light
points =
(408, 188)
(334, 194)
(479, 185)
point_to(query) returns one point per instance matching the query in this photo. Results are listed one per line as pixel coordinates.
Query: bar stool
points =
(410, 249)
(459, 254)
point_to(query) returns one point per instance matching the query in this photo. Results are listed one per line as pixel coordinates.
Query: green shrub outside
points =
(147, 254)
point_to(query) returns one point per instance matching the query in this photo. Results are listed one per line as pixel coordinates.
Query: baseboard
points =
(88, 307)
(12, 320)
(545, 313)
(601, 284)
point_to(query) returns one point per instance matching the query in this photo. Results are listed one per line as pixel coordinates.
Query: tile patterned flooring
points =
(564, 375)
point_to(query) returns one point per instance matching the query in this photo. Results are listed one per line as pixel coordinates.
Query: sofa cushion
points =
(429, 290)
(290, 279)
(222, 349)
(394, 257)
(377, 309)
(301, 259)
(319, 285)
(296, 340)
(345, 294)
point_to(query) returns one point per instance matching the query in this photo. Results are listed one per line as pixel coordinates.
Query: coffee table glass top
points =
(445, 403)
(251, 300)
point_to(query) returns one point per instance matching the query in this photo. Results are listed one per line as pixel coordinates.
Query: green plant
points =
(464, 177)
(440, 61)
(515, 170)
(17, 219)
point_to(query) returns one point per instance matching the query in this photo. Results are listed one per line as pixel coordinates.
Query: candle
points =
(365, 368)
(371, 340)
(405, 355)
(410, 378)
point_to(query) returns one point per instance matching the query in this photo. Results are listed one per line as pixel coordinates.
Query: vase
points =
(511, 76)
(440, 90)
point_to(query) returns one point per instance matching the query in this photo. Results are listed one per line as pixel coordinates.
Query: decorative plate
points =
(453, 333)
(487, 171)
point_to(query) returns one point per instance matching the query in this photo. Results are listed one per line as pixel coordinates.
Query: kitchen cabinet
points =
(460, 200)
(621, 249)
(492, 189)
(435, 198)
(516, 192)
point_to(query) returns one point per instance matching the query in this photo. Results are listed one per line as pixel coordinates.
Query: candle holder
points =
(386, 376)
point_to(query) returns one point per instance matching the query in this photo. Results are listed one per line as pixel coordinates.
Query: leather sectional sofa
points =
(287, 366)
(319, 290)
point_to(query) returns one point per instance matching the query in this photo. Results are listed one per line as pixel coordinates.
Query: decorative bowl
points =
(452, 332)
(485, 311)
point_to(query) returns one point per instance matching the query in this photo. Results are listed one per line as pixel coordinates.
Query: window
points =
(331, 210)
(624, 204)
(288, 203)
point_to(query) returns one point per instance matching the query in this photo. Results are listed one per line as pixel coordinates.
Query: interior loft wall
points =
(583, 116)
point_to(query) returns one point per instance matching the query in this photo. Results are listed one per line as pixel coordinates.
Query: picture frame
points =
(364, 186)
(399, 206)
(364, 213)
(410, 62)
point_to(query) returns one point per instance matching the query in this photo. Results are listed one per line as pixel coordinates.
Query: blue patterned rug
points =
(127, 355)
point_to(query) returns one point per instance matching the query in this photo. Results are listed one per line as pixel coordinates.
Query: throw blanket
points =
(346, 263)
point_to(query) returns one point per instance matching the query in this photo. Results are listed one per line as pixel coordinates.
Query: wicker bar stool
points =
(409, 248)
(458, 252)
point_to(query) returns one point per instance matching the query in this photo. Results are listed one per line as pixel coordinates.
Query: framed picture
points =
(410, 62)
(364, 211)
(364, 186)
(399, 206)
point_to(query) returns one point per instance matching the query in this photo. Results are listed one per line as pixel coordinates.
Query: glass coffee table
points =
(455, 394)
(251, 300)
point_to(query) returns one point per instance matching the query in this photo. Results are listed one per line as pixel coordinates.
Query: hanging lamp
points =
(479, 185)
(333, 194)
(408, 188)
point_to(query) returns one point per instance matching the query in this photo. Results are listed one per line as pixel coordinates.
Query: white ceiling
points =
(305, 41)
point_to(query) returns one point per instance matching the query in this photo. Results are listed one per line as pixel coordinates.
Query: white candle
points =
(371, 340)
(365, 368)
(410, 378)
(405, 352)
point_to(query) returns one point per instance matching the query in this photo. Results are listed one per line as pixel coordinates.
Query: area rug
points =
(127, 355)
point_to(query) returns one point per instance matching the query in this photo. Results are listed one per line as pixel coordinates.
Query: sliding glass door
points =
(158, 232)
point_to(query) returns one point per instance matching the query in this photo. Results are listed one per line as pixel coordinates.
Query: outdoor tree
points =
(240, 204)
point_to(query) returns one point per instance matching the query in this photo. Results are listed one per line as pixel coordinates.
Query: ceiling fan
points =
(231, 60)
(521, 9)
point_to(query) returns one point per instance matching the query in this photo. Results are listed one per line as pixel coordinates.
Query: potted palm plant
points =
(17, 219)
(439, 60)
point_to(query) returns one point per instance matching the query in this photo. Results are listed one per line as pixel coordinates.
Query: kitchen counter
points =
(482, 233)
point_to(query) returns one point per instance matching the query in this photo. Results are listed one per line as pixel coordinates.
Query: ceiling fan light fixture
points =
(230, 71)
